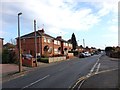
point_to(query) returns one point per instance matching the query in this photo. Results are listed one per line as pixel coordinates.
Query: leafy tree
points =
(81, 46)
(99, 50)
(109, 49)
(73, 41)
(5, 56)
(9, 55)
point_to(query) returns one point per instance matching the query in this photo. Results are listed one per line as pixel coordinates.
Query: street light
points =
(19, 46)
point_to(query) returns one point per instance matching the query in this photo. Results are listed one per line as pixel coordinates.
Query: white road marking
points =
(94, 66)
(36, 82)
(98, 67)
(90, 73)
(107, 70)
(80, 84)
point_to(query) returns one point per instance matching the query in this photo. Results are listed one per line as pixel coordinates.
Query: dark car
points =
(81, 55)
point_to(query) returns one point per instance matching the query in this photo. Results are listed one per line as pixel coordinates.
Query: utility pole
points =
(19, 44)
(35, 42)
(83, 43)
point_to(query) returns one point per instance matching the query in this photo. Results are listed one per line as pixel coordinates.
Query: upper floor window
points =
(70, 45)
(49, 40)
(58, 42)
(66, 44)
(45, 40)
(55, 41)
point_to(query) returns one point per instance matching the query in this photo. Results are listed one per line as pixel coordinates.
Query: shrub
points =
(45, 60)
(9, 56)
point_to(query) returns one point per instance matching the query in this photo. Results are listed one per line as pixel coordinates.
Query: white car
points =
(87, 54)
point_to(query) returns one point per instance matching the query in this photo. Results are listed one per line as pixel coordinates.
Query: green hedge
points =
(45, 60)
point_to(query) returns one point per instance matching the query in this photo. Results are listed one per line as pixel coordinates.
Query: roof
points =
(30, 35)
(2, 38)
(61, 39)
(38, 34)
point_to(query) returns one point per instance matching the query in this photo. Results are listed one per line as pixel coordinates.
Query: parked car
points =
(81, 55)
(27, 56)
(87, 54)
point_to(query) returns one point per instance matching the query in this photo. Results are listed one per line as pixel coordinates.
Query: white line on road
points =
(94, 66)
(98, 67)
(36, 82)
(107, 70)
(80, 85)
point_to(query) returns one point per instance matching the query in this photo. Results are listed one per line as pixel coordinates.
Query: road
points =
(105, 76)
(58, 75)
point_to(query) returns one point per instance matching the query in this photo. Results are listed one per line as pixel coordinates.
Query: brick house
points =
(46, 44)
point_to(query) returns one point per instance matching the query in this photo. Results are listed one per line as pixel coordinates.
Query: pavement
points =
(11, 71)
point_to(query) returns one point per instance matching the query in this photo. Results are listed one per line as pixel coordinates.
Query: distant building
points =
(46, 44)
(9, 46)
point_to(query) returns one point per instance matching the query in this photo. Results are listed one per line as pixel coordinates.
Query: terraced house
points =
(46, 44)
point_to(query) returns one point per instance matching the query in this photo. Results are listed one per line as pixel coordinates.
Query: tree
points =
(81, 46)
(9, 55)
(12, 41)
(73, 41)
(109, 50)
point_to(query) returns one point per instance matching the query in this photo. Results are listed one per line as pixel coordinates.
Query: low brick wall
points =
(29, 63)
(70, 55)
(56, 59)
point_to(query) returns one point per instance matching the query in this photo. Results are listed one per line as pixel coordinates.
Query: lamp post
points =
(19, 46)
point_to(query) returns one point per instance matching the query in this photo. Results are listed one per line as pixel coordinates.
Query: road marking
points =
(98, 67)
(93, 68)
(94, 65)
(80, 84)
(36, 82)
(82, 79)
(107, 70)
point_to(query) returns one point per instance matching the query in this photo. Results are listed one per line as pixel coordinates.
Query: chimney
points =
(59, 37)
(41, 31)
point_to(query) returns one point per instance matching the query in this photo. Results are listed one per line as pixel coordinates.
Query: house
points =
(80, 48)
(65, 45)
(46, 44)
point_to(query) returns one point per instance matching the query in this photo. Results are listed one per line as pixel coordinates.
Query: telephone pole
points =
(83, 43)
(35, 42)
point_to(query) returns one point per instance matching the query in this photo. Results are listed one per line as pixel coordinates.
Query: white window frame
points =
(58, 42)
(49, 40)
(45, 39)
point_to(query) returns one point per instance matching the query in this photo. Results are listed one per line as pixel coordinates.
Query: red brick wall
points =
(28, 46)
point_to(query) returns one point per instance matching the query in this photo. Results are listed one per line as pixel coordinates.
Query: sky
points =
(95, 21)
